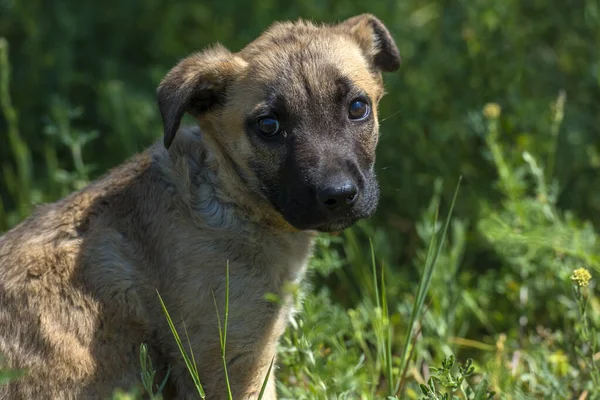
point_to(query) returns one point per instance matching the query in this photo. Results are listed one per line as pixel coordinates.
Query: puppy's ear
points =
(375, 41)
(196, 85)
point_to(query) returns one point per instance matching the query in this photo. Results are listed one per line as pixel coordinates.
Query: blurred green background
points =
(80, 100)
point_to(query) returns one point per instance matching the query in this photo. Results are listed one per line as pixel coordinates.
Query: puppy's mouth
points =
(336, 227)
(333, 226)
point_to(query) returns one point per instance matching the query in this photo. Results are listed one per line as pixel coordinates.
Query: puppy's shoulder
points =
(54, 232)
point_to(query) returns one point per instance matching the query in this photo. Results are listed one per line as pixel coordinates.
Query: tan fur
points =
(78, 279)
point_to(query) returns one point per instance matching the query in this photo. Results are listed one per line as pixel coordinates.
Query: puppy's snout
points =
(338, 194)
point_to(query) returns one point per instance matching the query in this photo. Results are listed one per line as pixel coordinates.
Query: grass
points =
(223, 333)
(189, 359)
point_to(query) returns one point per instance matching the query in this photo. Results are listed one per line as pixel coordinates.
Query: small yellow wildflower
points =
(581, 277)
(492, 110)
(560, 363)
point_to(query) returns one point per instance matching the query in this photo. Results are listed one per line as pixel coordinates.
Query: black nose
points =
(339, 195)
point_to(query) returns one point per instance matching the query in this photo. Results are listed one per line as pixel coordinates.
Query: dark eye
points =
(268, 126)
(359, 110)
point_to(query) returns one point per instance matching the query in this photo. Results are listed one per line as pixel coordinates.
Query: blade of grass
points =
(410, 354)
(190, 347)
(223, 332)
(378, 324)
(164, 382)
(385, 341)
(424, 282)
(387, 330)
(191, 368)
(226, 308)
(414, 312)
(266, 380)
(374, 267)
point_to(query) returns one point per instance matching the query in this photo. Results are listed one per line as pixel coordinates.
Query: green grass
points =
(148, 373)
(190, 361)
(223, 332)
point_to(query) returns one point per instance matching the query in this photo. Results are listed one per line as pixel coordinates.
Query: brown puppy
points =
(284, 149)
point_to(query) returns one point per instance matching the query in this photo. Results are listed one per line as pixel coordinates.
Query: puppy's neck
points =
(214, 186)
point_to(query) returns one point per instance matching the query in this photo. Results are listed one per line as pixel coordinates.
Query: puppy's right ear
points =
(196, 85)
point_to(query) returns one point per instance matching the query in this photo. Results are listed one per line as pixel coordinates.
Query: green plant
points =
(588, 333)
(148, 372)
(223, 332)
(189, 360)
(455, 383)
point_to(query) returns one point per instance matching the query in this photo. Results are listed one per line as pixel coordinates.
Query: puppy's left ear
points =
(375, 41)
(197, 85)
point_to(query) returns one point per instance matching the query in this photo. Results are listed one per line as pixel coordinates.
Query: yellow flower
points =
(581, 277)
(492, 110)
(560, 363)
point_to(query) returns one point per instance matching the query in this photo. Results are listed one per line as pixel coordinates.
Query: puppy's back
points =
(54, 321)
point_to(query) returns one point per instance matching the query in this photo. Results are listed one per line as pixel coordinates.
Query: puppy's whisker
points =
(390, 116)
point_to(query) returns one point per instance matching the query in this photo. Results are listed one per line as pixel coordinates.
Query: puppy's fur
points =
(79, 278)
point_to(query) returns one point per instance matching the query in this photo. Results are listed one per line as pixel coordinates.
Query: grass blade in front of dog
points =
(191, 365)
(381, 322)
(223, 333)
(266, 381)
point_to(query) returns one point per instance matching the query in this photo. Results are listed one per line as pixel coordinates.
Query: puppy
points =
(284, 148)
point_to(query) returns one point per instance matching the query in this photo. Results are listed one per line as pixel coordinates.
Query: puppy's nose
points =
(339, 195)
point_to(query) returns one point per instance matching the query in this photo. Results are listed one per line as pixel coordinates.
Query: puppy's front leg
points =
(247, 373)
(247, 368)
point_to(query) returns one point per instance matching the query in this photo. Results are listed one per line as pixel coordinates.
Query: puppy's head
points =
(296, 111)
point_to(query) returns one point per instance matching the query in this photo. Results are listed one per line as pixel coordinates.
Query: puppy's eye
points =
(268, 126)
(359, 110)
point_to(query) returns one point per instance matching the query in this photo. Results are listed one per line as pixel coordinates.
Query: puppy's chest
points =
(279, 260)
(262, 270)
(259, 259)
